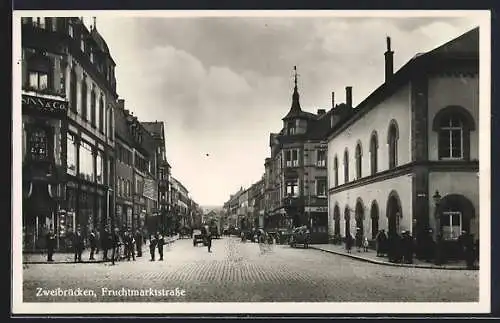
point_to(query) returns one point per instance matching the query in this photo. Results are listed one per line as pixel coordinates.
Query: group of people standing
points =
(122, 244)
(402, 247)
(156, 241)
(359, 240)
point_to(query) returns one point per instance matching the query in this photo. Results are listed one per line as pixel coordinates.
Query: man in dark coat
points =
(129, 245)
(51, 245)
(106, 243)
(381, 241)
(209, 241)
(115, 243)
(138, 243)
(467, 245)
(93, 244)
(359, 239)
(78, 245)
(160, 241)
(407, 246)
(152, 247)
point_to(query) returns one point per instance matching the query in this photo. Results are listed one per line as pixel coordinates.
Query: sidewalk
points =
(371, 256)
(65, 257)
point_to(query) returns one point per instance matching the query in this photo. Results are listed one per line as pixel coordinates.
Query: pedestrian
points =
(467, 245)
(105, 244)
(381, 243)
(160, 241)
(209, 241)
(115, 243)
(348, 242)
(138, 243)
(93, 244)
(78, 245)
(407, 247)
(51, 245)
(359, 239)
(152, 247)
(439, 256)
(129, 242)
(365, 244)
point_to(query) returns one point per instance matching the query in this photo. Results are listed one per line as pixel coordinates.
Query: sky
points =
(221, 85)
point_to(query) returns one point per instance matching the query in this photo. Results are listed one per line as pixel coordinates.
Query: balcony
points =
(163, 185)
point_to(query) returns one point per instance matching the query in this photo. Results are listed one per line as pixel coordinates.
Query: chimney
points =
(321, 112)
(348, 96)
(389, 60)
(333, 100)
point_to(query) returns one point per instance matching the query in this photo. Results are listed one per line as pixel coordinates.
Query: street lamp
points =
(437, 199)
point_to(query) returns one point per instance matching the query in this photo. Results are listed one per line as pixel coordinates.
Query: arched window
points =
(359, 163)
(347, 220)
(346, 166)
(84, 99)
(101, 114)
(453, 125)
(374, 153)
(92, 107)
(72, 91)
(336, 219)
(336, 170)
(392, 141)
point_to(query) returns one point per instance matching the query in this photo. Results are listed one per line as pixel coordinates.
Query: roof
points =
(463, 49)
(101, 43)
(156, 128)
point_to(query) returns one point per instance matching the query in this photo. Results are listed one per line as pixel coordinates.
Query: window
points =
(99, 168)
(71, 154)
(321, 162)
(392, 140)
(451, 134)
(321, 187)
(292, 158)
(451, 223)
(39, 22)
(336, 171)
(38, 80)
(72, 90)
(82, 43)
(92, 106)
(359, 164)
(84, 99)
(373, 153)
(346, 166)
(291, 128)
(101, 115)
(39, 144)
(70, 30)
(86, 162)
(292, 188)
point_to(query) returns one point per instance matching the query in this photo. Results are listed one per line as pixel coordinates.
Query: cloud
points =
(221, 85)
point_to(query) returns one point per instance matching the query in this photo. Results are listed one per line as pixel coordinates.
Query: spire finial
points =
(295, 75)
(94, 21)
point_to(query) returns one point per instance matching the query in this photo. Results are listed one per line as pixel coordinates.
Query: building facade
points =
(296, 172)
(157, 219)
(68, 102)
(407, 158)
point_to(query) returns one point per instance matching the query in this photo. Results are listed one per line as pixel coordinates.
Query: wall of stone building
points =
(460, 91)
(396, 107)
(463, 183)
(367, 194)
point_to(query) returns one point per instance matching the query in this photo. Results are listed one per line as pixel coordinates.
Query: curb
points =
(385, 263)
(82, 262)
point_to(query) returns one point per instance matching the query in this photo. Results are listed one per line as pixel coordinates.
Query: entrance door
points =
(347, 218)
(359, 218)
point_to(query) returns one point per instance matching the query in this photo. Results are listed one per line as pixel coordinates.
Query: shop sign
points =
(316, 209)
(44, 104)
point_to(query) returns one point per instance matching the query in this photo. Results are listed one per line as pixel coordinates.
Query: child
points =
(365, 244)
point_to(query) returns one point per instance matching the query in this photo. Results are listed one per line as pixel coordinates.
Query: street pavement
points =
(243, 272)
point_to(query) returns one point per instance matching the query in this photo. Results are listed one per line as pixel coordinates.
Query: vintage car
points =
(198, 237)
(300, 236)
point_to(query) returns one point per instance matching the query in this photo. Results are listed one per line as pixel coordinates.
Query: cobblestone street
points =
(237, 271)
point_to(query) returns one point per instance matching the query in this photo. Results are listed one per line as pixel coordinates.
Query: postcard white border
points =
(483, 306)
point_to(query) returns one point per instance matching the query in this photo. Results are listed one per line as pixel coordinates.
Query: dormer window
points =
(70, 30)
